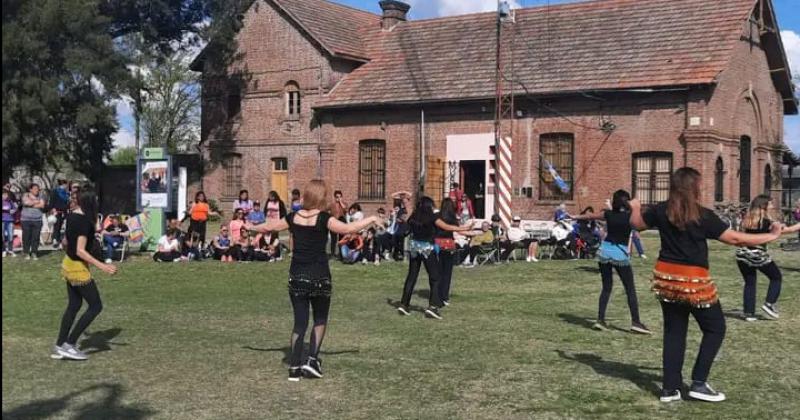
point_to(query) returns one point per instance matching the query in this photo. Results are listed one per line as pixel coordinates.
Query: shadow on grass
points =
(645, 381)
(100, 341)
(109, 407)
(286, 351)
(423, 293)
(594, 270)
(576, 320)
(395, 303)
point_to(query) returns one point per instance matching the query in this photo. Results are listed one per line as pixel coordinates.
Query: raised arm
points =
(269, 226)
(637, 221)
(589, 216)
(790, 229)
(441, 224)
(344, 228)
(736, 238)
(87, 256)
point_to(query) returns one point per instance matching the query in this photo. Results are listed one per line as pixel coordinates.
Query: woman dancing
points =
(682, 281)
(80, 237)
(423, 223)
(309, 275)
(753, 259)
(614, 255)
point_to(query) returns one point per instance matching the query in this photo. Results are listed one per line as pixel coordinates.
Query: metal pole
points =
(498, 104)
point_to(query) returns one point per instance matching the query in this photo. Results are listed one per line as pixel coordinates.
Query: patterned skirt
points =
(686, 284)
(754, 257)
(312, 280)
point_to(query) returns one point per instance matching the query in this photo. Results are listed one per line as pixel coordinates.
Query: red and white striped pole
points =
(502, 180)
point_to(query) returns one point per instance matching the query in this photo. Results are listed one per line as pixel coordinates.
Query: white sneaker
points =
(12, 254)
(363, 262)
(28, 257)
(377, 262)
(56, 355)
(68, 351)
(4, 254)
(35, 257)
(644, 257)
(527, 259)
(108, 261)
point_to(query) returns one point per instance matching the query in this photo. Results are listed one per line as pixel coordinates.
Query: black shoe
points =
(640, 328)
(600, 325)
(702, 391)
(313, 368)
(771, 309)
(295, 373)
(670, 395)
(446, 302)
(433, 312)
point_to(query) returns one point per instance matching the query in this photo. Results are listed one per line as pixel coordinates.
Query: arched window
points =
(767, 179)
(745, 166)
(372, 170)
(292, 100)
(719, 181)
(558, 150)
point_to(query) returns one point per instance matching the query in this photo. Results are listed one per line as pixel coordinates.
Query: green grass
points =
(206, 341)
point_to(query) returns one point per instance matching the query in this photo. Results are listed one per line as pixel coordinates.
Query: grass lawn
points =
(208, 341)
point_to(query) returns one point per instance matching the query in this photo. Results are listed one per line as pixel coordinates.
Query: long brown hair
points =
(758, 211)
(315, 195)
(683, 206)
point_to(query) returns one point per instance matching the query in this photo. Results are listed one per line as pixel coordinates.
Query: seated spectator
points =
(243, 203)
(354, 213)
(169, 249)
(243, 247)
(221, 245)
(465, 209)
(236, 225)
(383, 238)
(351, 246)
(561, 213)
(114, 236)
(297, 201)
(462, 247)
(516, 238)
(190, 248)
(256, 216)
(269, 247)
(485, 237)
(175, 224)
(371, 249)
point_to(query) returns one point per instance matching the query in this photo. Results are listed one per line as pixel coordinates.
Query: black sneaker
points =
(446, 302)
(750, 317)
(702, 391)
(313, 368)
(295, 373)
(433, 312)
(670, 395)
(771, 309)
(640, 328)
(600, 325)
(403, 310)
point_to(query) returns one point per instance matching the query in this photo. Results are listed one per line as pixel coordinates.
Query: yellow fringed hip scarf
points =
(75, 272)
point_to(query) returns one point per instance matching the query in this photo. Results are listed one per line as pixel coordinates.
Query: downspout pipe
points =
(423, 165)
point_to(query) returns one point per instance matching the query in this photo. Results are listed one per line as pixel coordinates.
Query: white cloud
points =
(422, 9)
(123, 138)
(791, 43)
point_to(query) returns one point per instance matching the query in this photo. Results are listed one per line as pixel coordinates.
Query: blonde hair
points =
(758, 211)
(315, 195)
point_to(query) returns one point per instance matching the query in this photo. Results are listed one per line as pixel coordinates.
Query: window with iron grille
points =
(234, 99)
(745, 163)
(292, 100)
(651, 176)
(557, 149)
(280, 164)
(372, 170)
(719, 181)
(233, 176)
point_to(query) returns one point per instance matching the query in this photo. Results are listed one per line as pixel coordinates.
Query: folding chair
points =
(487, 253)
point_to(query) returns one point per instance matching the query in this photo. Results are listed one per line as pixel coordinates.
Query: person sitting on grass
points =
(236, 225)
(114, 236)
(371, 249)
(221, 245)
(354, 213)
(486, 237)
(256, 216)
(190, 247)
(351, 247)
(169, 249)
(269, 247)
(243, 247)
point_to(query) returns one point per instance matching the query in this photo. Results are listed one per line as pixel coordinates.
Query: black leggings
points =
(750, 274)
(199, 227)
(446, 261)
(301, 305)
(432, 267)
(676, 324)
(76, 295)
(626, 275)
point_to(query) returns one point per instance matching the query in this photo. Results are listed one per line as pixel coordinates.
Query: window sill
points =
(291, 118)
(372, 201)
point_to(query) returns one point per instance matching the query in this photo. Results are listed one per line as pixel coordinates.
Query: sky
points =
(788, 21)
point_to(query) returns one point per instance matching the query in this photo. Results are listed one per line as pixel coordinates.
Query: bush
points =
(214, 206)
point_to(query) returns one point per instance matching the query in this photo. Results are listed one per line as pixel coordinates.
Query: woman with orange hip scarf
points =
(682, 281)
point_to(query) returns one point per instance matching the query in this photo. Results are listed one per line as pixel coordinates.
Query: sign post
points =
(153, 192)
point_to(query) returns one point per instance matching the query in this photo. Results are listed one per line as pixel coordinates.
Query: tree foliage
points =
(63, 67)
(123, 156)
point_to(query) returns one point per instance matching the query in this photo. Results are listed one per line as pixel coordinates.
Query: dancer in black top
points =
(423, 224)
(80, 237)
(753, 259)
(309, 275)
(614, 255)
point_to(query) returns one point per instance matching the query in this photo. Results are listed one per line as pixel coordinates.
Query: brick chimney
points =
(394, 12)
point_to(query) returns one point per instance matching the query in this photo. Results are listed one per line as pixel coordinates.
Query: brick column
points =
(702, 149)
(327, 150)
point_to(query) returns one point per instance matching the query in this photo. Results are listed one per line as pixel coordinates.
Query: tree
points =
(124, 156)
(62, 68)
(171, 108)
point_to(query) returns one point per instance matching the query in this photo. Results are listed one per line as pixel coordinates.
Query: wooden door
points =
(280, 178)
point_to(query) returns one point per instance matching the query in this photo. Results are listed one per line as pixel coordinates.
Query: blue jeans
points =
(637, 242)
(111, 243)
(8, 236)
(349, 255)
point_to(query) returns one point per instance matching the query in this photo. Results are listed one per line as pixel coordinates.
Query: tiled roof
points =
(596, 45)
(340, 29)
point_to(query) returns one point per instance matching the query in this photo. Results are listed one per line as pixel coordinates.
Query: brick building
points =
(615, 93)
